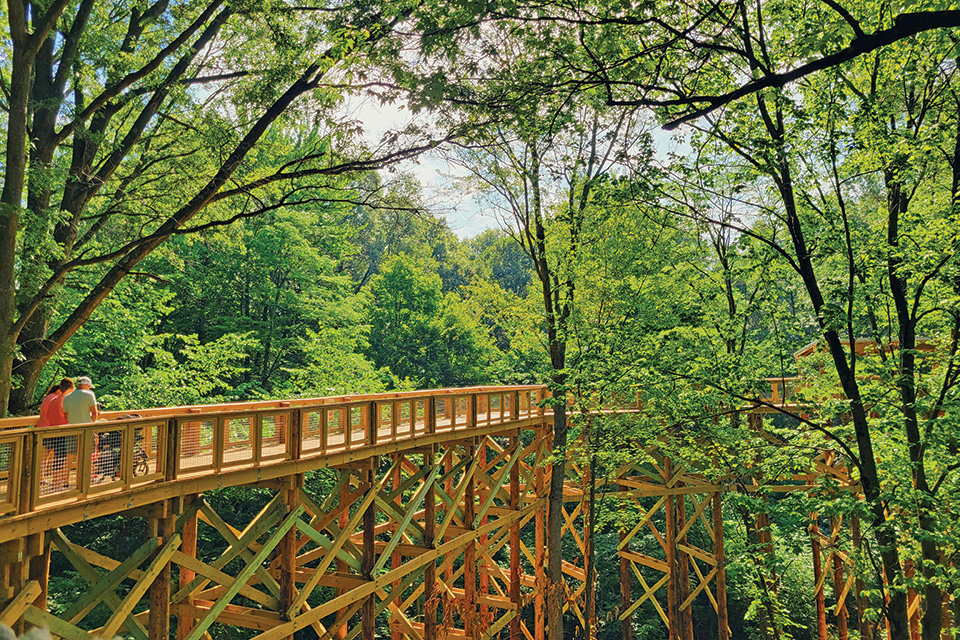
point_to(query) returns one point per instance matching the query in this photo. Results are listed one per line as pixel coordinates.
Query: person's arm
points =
(94, 410)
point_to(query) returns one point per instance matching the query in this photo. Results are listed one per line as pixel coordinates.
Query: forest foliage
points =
(190, 215)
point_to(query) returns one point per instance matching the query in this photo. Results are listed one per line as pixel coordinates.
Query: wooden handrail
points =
(27, 421)
(65, 467)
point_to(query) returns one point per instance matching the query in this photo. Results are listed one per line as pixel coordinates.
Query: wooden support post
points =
(818, 578)
(626, 625)
(683, 570)
(14, 563)
(40, 569)
(470, 556)
(946, 623)
(287, 549)
(866, 631)
(590, 596)
(515, 596)
(158, 627)
(367, 618)
(482, 570)
(429, 541)
(395, 559)
(540, 546)
(185, 621)
(912, 596)
(719, 554)
(838, 580)
(448, 488)
(670, 537)
(342, 520)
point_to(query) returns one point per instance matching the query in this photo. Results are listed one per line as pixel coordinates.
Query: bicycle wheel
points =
(140, 467)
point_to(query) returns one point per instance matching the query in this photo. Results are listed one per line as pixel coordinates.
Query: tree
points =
(127, 123)
(540, 173)
(422, 335)
(817, 174)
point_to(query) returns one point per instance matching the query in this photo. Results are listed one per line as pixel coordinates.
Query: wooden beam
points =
(245, 574)
(113, 602)
(386, 579)
(16, 607)
(108, 583)
(132, 598)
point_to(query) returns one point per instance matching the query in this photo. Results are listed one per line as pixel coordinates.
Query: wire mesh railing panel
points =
(419, 419)
(443, 408)
(59, 464)
(196, 444)
(238, 440)
(79, 462)
(274, 435)
(358, 426)
(405, 418)
(311, 431)
(492, 411)
(9, 471)
(107, 457)
(336, 428)
(384, 421)
(461, 412)
(146, 451)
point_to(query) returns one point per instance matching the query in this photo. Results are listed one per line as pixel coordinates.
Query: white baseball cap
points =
(85, 380)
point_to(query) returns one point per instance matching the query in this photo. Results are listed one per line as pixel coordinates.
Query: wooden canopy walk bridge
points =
(434, 526)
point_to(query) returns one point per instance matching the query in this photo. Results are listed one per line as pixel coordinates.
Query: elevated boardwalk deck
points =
(173, 451)
(435, 525)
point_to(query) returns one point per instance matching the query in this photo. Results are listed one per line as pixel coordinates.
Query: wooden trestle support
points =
(434, 526)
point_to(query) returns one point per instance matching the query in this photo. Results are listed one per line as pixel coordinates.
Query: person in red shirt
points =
(51, 410)
(52, 415)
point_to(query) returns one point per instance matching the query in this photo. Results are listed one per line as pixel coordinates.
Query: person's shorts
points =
(61, 445)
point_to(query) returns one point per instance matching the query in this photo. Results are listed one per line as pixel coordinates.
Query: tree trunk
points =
(555, 590)
(10, 203)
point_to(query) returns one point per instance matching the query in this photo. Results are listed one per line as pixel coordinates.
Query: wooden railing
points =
(49, 467)
(44, 467)
(781, 390)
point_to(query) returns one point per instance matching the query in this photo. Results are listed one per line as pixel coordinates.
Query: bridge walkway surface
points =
(432, 523)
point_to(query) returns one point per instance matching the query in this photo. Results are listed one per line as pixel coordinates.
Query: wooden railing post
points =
(27, 473)
(295, 439)
(430, 419)
(172, 450)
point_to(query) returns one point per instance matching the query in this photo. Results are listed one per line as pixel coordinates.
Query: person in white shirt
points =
(80, 406)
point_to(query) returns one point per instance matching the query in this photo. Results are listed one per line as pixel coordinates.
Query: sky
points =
(463, 211)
